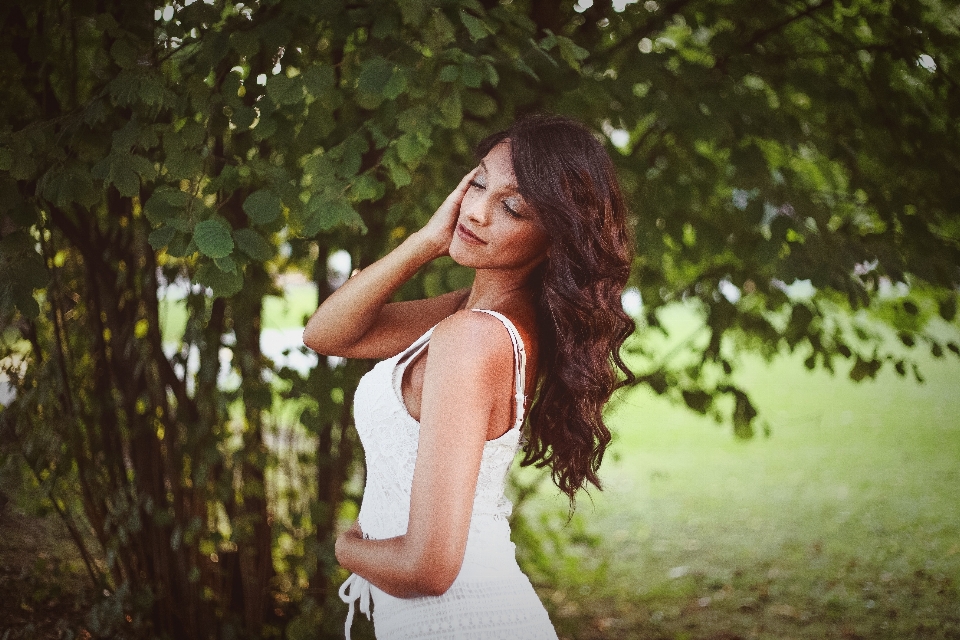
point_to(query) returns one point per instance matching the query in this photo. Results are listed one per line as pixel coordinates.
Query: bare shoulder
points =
(474, 339)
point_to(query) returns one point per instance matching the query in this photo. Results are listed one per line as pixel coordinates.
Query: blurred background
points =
(182, 183)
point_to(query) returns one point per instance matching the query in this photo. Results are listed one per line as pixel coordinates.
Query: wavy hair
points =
(566, 176)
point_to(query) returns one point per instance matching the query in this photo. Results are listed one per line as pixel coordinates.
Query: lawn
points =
(844, 522)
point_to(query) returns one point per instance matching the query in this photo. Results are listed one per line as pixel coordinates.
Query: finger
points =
(457, 194)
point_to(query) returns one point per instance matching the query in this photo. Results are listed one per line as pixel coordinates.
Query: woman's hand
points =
(438, 232)
(353, 533)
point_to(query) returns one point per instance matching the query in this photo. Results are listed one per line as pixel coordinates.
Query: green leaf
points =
(166, 203)
(743, 414)
(571, 53)
(222, 283)
(439, 31)
(143, 167)
(125, 87)
(349, 155)
(319, 80)
(492, 76)
(26, 303)
(182, 164)
(125, 137)
(245, 43)
(477, 28)
(449, 73)
(181, 246)
(326, 213)
(262, 206)
(413, 11)
(243, 117)
(63, 186)
(471, 76)
(863, 369)
(124, 53)
(375, 73)
(213, 238)
(366, 187)
(396, 85)
(253, 244)
(19, 261)
(21, 271)
(226, 264)
(159, 238)
(125, 179)
(548, 42)
(948, 308)
(479, 104)
(451, 110)
(412, 148)
(697, 399)
(230, 89)
(151, 90)
(284, 90)
(398, 173)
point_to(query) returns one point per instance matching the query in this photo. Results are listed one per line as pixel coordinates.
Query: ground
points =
(44, 591)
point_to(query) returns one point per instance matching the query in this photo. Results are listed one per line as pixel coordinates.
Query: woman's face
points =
(496, 229)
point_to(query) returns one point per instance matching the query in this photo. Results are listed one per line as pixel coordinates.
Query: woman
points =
(543, 223)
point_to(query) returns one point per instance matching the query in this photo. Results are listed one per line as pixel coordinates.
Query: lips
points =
(467, 236)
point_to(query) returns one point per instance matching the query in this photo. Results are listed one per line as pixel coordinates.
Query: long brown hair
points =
(565, 174)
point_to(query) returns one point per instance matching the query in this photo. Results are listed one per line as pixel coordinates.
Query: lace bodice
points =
(390, 435)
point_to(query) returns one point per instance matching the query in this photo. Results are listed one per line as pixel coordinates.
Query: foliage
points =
(225, 144)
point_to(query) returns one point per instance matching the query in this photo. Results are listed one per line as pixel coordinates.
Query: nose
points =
(478, 210)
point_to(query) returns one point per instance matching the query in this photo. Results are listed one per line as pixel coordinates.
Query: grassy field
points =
(843, 523)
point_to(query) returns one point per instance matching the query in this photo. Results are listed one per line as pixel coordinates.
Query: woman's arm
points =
(355, 321)
(469, 370)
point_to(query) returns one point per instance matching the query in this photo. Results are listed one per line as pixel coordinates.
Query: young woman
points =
(543, 223)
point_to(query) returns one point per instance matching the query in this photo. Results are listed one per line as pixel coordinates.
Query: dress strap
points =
(520, 360)
(407, 356)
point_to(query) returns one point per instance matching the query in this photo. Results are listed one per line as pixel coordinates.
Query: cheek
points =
(532, 242)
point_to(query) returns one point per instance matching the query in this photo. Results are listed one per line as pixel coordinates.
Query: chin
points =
(467, 261)
(463, 256)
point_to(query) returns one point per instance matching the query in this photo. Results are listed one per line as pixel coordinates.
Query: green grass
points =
(843, 523)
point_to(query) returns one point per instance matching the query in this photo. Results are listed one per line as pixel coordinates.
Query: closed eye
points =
(478, 185)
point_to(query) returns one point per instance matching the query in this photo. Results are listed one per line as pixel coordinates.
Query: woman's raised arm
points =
(356, 321)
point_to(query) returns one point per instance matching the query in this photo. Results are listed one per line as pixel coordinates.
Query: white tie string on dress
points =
(359, 591)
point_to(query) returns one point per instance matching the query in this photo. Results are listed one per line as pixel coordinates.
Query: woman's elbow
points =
(311, 342)
(436, 582)
(436, 575)
(319, 341)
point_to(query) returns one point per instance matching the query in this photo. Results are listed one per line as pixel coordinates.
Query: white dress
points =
(490, 598)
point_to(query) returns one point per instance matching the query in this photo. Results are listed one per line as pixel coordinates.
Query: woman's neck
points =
(493, 288)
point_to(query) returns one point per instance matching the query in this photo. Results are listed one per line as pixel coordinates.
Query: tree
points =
(224, 144)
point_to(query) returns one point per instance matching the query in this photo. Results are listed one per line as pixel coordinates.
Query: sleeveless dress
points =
(491, 597)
